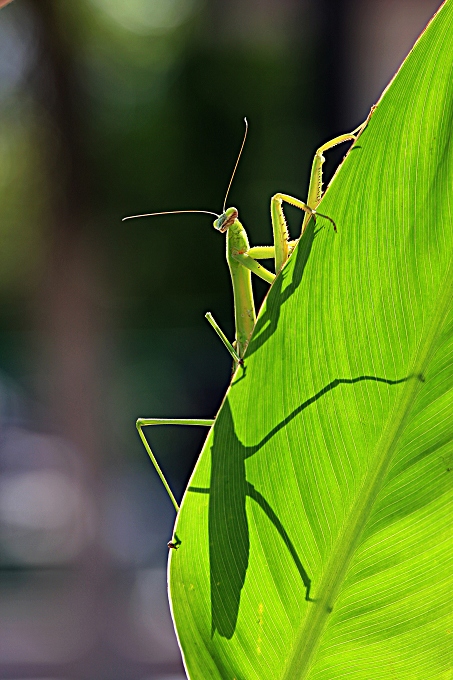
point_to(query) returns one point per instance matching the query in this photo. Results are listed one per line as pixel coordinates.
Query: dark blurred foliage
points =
(110, 108)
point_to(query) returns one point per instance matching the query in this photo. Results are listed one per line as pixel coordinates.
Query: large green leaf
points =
(331, 459)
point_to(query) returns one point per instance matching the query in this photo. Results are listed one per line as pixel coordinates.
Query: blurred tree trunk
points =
(67, 314)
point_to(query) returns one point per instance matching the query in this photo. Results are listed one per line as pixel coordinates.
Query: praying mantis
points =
(242, 262)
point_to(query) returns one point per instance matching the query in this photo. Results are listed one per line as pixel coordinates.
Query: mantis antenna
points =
(237, 163)
(171, 212)
(206, 212)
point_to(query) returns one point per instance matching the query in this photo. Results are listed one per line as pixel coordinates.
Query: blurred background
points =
(110, 108)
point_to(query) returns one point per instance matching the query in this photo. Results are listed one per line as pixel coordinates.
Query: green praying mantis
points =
(242, 261)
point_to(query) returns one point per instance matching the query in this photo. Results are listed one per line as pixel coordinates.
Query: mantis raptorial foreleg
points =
(315, 186)
(242, 261)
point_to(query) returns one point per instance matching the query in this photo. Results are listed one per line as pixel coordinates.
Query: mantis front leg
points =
(315, 186)
(283, 246)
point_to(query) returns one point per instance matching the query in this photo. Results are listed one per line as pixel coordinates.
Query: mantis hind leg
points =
(143, 422)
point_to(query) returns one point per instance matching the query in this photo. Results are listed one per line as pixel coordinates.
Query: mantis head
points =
(225, 220)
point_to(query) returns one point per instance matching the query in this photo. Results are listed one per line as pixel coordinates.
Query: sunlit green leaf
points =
(331, 461)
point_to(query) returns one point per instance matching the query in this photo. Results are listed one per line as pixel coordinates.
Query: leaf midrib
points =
(309, 636)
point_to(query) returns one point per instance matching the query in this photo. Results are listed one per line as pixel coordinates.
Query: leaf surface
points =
(316, 531)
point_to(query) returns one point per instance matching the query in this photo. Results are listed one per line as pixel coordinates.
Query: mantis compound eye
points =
(225, 220)
(218, 223)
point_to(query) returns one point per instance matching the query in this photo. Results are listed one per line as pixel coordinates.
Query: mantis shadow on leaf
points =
(229, 540)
